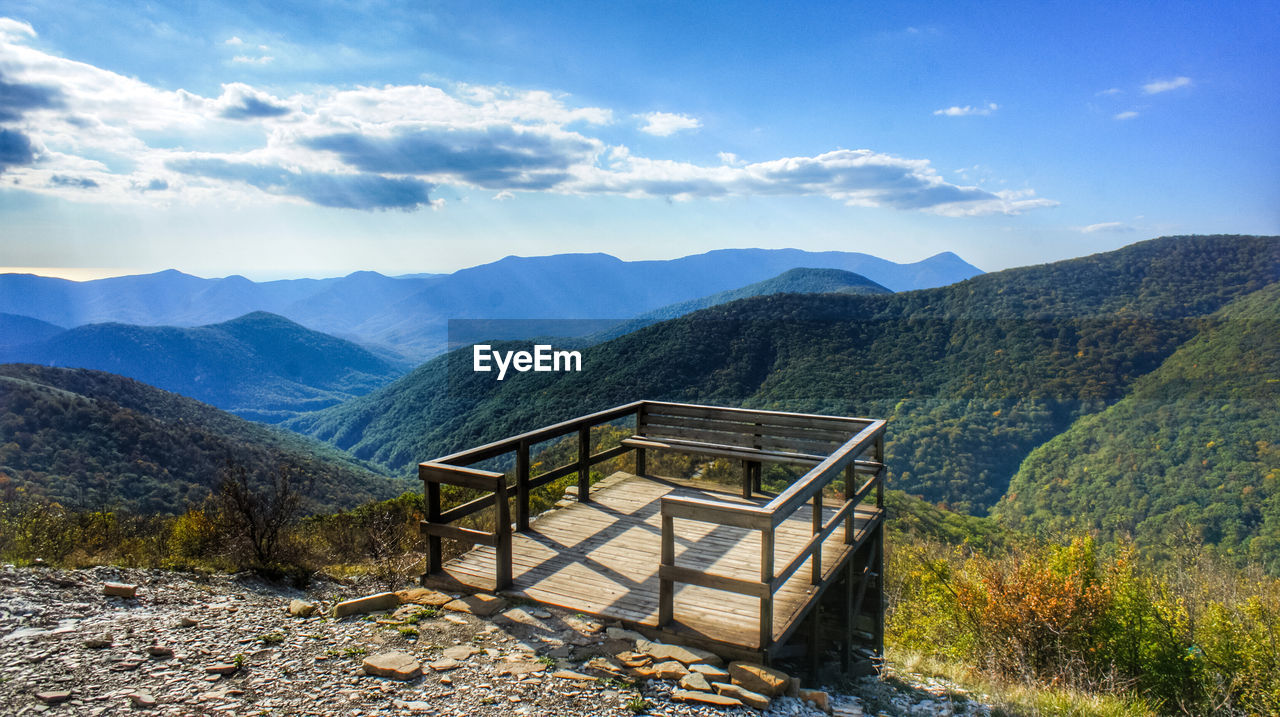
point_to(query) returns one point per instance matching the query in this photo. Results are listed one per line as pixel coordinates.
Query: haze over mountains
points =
(409, 314)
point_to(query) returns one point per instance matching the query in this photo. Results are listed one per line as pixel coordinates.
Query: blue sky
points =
(314, 139)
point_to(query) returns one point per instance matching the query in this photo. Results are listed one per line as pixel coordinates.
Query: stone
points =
(188, 622)
(670, 670)
(456, 619)
(301, 608)
(123, 590)
(53, 697)
(97, 643)
(711, 672)
(603, 665)
(695, 681)
(571, 675)
(706, 698)
(820, 699)
(540, 613)
(519, 669)
(754, 699)
(159, 651)
(633, 659)
(393, 665)
(368, 603)
(758, 678)
(222, 668)
(142, 699)
(643, 673)
(617, 633)
(583, 625)
(480, 604)
(679, 653)
(423, 596)
(445, 664)
(460, 652)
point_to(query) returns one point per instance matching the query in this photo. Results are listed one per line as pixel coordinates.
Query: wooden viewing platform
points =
(680, 560)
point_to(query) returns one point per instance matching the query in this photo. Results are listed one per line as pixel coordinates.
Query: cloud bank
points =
(89, 134)
(968, 110)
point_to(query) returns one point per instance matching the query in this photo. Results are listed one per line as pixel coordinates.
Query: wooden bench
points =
(754, 437)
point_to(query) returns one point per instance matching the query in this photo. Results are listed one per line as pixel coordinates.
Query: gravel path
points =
(154, 654)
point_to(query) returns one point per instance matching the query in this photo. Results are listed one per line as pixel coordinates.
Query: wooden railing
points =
(844, 462)
(752, 435)
(453, 470)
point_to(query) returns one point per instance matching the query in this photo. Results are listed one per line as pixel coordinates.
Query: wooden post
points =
(746, 478)
(766, 577)
(522, 486)
(879, 455)
(434, 560)
(846, 643)
(584, 464)
(879, 591)
(666, 588)
(850, 487)
(641, 468)
(813, 641)
(817, 549)
(756, 477)
(502, 577)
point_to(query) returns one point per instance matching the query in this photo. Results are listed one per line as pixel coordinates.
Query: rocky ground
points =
(228, 645)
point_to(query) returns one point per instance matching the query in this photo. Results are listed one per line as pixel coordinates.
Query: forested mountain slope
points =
(1192, 453)
(95, 440)
(973, 376)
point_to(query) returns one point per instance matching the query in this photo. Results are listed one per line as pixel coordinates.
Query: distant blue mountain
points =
(408, 314)
(259, 366)
(17, 330)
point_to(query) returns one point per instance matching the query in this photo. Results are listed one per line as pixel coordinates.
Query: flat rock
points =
(670, 670)
(571, 675)
(460, 652)
(695, 681)
(480, 604)
(123, 590)
(143, 699)
(423, 596)
(222, 668)
(301, 608)
(53, 697)
(393, 665)
(679, 653)
(456, 619)
(706, 698)
(603, 665)
(188, 622)
(368, 603)
(617, 633)
(519, 669)
(820, 699)
(754, 699)
(445, 664)
(633, 659)
(758, 678)
(160, 651)
(524, 617)
(711, 672)
(97, 643)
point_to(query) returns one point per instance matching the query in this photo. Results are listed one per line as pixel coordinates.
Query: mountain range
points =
(409, 314)
(258, 366)
(973, 377)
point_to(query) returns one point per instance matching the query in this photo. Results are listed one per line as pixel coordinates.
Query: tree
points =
(258, 513)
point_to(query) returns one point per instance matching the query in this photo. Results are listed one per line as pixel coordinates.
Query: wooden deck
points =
(602, 558)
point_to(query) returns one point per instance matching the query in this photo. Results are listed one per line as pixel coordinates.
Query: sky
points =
(286, 139)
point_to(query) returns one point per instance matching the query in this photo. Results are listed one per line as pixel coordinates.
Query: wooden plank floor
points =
(601, 558)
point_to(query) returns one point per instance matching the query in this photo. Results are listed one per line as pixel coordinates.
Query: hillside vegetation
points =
(259, 366)
(972, 376)
(90, 439)
(1192, 453)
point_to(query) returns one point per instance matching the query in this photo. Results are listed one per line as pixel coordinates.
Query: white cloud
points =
(15, 30)
(1110, 227)
(1111, 92)
(665, 124)
(1153, 88)
(1126, 115)
(233, 40)
(392, 146)
(968, 110)
(245, 59)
